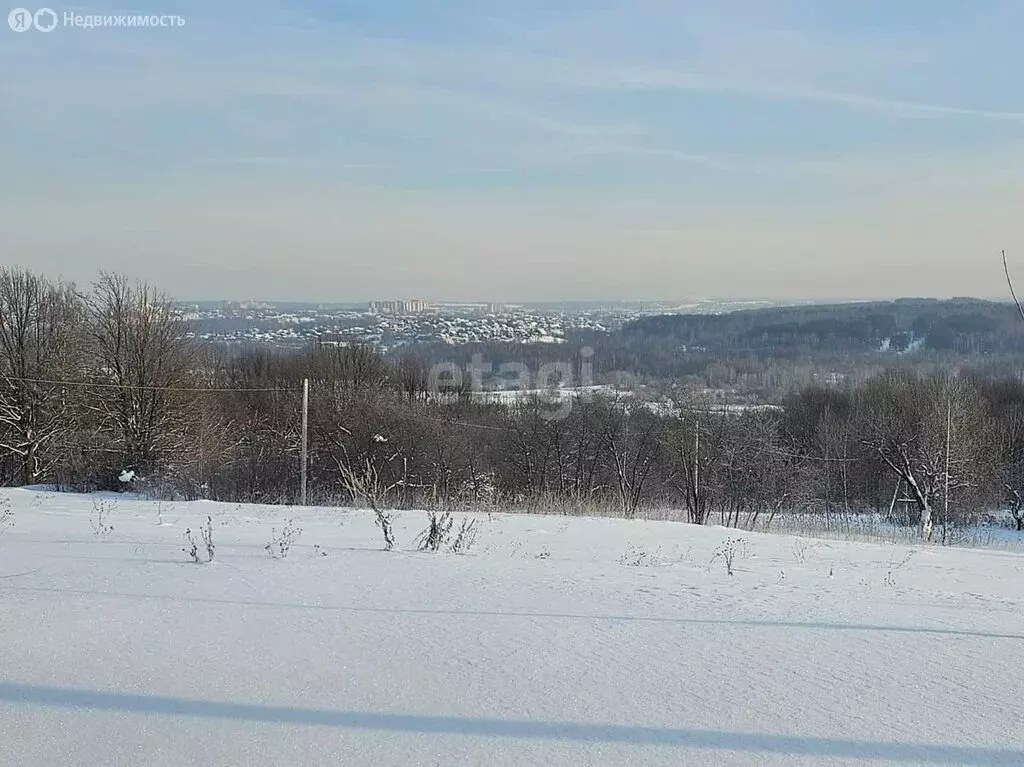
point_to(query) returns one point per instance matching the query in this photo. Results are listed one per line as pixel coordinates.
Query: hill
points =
(552, 640)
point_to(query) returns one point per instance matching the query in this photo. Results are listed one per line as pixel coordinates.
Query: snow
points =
(553, 640)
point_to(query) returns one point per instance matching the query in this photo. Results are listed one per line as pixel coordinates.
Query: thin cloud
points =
(631, 79)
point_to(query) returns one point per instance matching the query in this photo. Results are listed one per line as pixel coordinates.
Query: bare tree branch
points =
(1009, 283)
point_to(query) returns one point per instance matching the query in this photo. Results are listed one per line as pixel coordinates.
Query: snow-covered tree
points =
(40, 324)
(143, 363)
(934, 435)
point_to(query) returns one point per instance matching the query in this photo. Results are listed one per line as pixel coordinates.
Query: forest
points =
(106, 388)
(760, 356)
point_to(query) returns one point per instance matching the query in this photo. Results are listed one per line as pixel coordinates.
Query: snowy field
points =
(553, 641)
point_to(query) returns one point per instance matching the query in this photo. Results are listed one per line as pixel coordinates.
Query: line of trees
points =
(107, 388)
(90, 379)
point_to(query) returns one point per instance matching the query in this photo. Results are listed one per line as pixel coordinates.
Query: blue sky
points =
(515, 151)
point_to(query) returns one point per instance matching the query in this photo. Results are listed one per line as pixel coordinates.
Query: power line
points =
(804, 457)
(223, 389)
(467, 424)
(91, 385)
(136, 387)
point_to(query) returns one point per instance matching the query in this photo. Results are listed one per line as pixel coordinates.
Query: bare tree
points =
(1009, 415)
(1009, 283)
(412, 377)
(40, 322)
(933, 434)
(818, 427)
(756, 475)
(353, 369)
(526, 461)
(1014, 433)
(633, 437)
(1013, 481)
(144, 361)
(579, 451)
(697, 452)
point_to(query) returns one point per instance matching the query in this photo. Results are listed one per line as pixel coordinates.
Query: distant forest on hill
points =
(962, 325)
(764, 354)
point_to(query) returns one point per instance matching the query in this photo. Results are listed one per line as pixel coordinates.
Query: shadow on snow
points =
(128, 703)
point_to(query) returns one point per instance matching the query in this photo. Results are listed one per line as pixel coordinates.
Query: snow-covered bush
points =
(465, 538)
(6, 515)
(100, 517)
(438, 534)
(281, 543)
(636, 556)
(365, 485)
(728, 552)
(206, 536)
(439, 529)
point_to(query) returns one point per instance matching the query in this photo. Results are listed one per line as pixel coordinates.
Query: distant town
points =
(389, 324)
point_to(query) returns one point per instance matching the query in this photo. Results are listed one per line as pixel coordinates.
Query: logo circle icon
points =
(20, 20)
(45, 20)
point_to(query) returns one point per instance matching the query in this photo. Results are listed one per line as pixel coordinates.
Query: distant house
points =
(332, 339)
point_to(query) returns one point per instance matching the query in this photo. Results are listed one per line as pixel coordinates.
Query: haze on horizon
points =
(627, 149)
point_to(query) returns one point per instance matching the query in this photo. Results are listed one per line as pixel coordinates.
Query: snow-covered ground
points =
(552, 641)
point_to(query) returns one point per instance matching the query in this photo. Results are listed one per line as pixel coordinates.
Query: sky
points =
(346, 150)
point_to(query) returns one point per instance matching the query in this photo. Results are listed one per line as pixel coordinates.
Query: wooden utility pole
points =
(698, 512)
(305, 442)
(949, 431)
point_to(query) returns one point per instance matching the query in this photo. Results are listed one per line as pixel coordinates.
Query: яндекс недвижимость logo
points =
(22, 19)
(46, 20)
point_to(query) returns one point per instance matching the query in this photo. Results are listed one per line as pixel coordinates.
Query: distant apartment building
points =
(410, 306)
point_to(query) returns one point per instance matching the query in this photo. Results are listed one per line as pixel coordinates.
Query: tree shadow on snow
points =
(129, 703)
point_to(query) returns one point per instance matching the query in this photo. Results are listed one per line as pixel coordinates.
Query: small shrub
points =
(801, 548)
(191, 547)
(6, 515)
(207, 533)
(895, 567)
(465, 538)
(955, 536)
(100, 517)
(160, 509)
(728, 552)
(281, 543)
(365, 484)
(638, 557)
(438, 532)
(384, 519)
